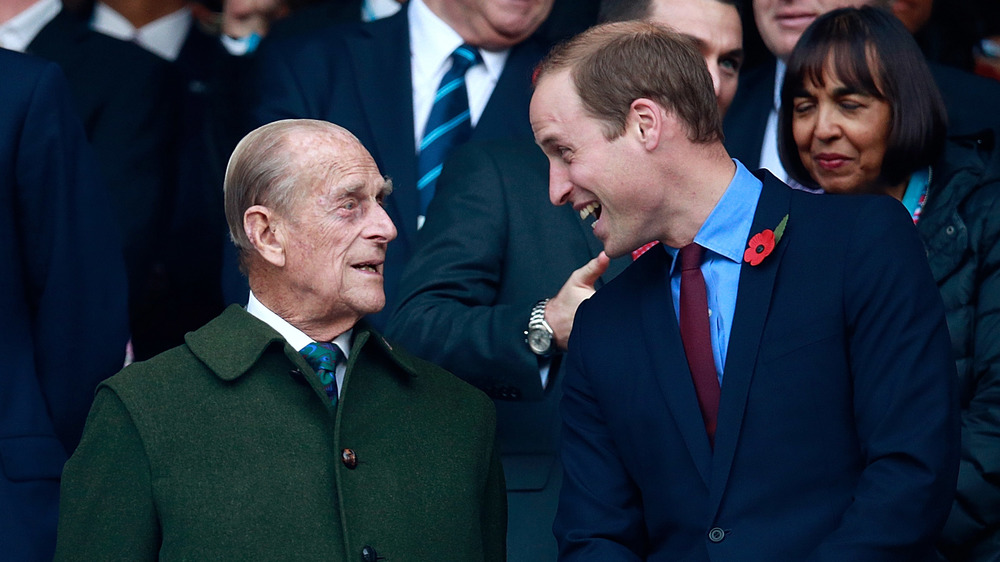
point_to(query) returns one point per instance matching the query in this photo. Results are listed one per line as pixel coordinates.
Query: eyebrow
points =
(386, 189)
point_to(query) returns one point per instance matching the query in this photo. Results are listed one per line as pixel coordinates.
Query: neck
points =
(11, 8)
(142, 12)
(300, 312)
(698, 193)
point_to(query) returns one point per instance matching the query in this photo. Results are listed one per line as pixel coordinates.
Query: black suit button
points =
(716, 534)
(368, 554)
(350, 460)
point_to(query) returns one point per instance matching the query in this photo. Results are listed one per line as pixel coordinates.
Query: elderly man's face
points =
(492, 24)
(597, 176)
(718, 33)
(337, 232)
(782, 22)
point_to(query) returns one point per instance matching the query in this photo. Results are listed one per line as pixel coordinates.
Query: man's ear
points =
(646, 121)
(266, 234)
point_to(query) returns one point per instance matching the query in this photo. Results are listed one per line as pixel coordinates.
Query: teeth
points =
(589, 210)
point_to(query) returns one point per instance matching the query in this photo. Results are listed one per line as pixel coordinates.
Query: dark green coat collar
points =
(234, 341)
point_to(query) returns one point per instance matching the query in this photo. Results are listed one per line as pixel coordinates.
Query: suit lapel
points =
(666, 353)
(506, 112)
(753, 300)
(381, 60)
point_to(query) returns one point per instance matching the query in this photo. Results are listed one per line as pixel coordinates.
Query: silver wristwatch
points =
(539, 333)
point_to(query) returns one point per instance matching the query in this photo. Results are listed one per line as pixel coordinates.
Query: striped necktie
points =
(323, 358)
(449, 123)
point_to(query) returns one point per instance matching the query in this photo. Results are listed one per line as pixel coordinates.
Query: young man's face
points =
(588, 171)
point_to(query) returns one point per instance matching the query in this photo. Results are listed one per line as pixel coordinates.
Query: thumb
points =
(592, 270)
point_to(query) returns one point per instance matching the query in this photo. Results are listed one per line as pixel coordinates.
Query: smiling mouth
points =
(369, 267)
(593, 208)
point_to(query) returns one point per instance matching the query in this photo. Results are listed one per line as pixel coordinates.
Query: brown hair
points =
(614, 64)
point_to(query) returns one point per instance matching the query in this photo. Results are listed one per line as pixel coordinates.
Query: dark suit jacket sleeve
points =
(449, 312)
(75, 275)
(107, 510)
(905, 403)
(600, 513)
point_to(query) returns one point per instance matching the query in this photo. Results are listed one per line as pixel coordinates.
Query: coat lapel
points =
(753, 301)
(381, 59)
(667, 358)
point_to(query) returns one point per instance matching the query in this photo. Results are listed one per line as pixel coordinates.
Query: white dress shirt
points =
(432, 42)
(769, 157)
(19, 31)
(296, 338)
(163, 37)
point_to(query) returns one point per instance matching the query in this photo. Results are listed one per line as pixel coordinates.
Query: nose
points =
(713, 69)
(827, 124)
(381, 227)
(559, 185)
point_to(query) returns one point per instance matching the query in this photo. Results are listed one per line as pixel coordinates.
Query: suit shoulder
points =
(439, 382)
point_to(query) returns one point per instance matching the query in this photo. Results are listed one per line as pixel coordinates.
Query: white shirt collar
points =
(295, 337)
(432, 42)
(19, 31)
(163, 37)
(779, 78)
(377, 9)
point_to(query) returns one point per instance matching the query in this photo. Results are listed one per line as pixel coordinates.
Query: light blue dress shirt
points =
(724, 237)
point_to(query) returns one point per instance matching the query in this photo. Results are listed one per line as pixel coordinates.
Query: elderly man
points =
(236, 445)
(760, 386)
(412, 87)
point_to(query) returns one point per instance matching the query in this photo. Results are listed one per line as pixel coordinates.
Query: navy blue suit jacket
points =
(971, 102)
(837, 433)
(358, 76)
(62, 293)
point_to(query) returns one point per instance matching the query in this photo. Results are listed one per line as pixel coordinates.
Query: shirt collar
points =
(295, 337)
(432, 41)
(727, 227)
(19, 31)
(779, 78)
(164, 37)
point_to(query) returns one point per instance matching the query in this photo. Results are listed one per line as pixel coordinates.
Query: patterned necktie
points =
(449, 123)
(323, 358)
(697, 337)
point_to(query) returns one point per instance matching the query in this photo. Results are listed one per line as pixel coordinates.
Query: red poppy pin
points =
(762, 244)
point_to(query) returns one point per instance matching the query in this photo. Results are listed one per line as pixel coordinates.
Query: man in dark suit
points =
(123, 96)
(751, 124)
(62, 292)
(493, 251)
(799, 404)
(362, 78)
(290, 429)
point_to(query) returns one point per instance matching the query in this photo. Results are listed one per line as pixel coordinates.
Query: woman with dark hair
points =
(860, 114)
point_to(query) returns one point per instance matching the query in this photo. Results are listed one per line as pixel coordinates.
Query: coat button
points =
(350, 460)
(716, 535)
(368, 554)
(950, 230)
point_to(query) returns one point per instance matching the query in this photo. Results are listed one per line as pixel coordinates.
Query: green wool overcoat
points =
(226, 448)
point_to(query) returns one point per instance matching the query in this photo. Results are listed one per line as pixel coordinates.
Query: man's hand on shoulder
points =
(561, 309)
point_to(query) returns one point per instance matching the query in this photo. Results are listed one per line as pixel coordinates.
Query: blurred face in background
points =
(716, 29)
(781, 22)
(492, 24)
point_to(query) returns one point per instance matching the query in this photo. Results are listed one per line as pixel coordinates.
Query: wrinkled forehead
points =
(706, 21)
(334, 160)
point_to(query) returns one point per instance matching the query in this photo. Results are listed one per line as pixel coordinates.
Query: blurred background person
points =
(62, 292)
(751, 126)
(125, 98)
(860, 114)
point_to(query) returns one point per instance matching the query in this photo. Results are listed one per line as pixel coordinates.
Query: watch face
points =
(539, 341)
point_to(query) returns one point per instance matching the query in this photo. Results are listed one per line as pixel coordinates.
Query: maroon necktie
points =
(697, 337)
